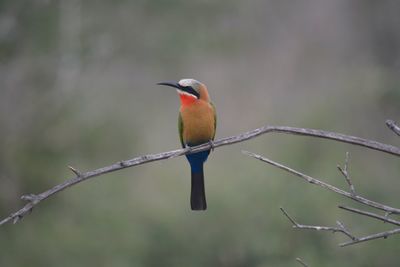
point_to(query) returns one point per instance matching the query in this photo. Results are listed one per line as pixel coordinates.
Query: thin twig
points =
(371, 237)
(345, 173)
(340, 227)
(301, 262)
(324, 185)
(77, 173)
(295, 224)
(80, 177)
(393, 126)
(371, 214)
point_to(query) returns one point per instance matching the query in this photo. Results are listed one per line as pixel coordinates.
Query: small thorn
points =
(16, 219)
(387, 214)
(248, 153)
(78, 173)
(29, 197)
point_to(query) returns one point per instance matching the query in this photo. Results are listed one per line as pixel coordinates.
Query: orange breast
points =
(198, 122)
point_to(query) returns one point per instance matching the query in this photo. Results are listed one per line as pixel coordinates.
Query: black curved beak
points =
(171, 84)
(187, 89)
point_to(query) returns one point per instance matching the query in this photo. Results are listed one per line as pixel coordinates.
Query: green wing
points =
(215, 119)
(180, 129)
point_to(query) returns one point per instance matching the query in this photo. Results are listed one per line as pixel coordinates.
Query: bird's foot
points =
(212, 145)
(188, 148)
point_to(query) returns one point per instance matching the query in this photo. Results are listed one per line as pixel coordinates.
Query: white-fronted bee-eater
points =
(196, 123)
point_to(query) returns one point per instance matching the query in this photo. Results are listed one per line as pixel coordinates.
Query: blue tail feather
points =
(197, 194)
(197, 160)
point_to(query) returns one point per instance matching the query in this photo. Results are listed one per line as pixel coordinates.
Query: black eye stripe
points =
(190, 90)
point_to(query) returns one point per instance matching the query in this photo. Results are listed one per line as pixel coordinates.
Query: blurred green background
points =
(77, 84)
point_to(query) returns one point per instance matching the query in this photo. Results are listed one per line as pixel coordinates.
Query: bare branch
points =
(371, 237)
(352, 195)
(301, 262)
(340, 228)
(371, 214)
(345, 173)
(324, 185)
(393, 126)
(80, 177)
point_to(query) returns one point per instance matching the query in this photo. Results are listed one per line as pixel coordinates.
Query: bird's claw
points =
(212, 145)
(188, 148)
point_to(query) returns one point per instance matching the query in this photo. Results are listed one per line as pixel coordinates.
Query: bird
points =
(197, 123)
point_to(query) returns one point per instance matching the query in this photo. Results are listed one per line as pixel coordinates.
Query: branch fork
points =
(340, 227)
(345, 173)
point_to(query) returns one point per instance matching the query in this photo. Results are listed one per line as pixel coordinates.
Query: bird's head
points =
(189, 90)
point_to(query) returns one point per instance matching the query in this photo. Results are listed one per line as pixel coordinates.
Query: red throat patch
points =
(187, 100)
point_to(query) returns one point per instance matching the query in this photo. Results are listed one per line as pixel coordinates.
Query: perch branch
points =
(34, 200)
(393, 126)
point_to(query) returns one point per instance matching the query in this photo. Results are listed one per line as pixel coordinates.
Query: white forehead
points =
(189, 82)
